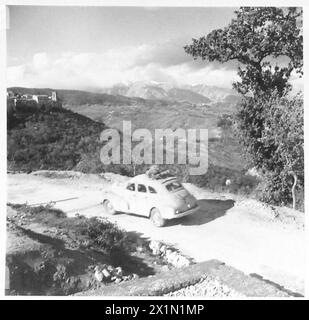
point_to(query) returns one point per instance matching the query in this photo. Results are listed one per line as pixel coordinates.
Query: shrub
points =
(215, 179)
(225, 121)
(103, 235)
(272, 131)
(53, 140)
(93, 233)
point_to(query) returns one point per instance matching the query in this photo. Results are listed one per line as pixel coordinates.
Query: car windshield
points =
(173, 186)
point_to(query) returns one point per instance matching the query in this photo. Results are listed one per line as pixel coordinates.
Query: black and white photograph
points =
(154, 151)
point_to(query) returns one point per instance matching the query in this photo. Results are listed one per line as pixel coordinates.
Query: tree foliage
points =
(271, 130)
(254, 36)
(267, 42)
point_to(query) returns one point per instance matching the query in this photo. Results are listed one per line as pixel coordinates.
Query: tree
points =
(284, 133)
(268, 44)
(255, 38)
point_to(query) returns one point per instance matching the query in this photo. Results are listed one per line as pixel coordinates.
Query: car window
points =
(172, 186)
(152, 190)
(131, 187)
(141, 188)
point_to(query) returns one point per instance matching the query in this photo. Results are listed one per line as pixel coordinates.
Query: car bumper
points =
(185, 213)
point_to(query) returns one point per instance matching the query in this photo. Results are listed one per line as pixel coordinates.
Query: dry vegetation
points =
(50, 254)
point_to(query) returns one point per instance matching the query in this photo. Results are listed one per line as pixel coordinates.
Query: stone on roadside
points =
(110, 268)
(99, 275)
(163, 249)
(155, 246)
(165, 268)
(168, 252)
(118, 271)
(106, 273)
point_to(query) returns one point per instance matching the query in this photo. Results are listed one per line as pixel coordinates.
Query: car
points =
(158, 199)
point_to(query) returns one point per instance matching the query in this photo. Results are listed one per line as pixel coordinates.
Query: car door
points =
(131, 197)
(141, 205)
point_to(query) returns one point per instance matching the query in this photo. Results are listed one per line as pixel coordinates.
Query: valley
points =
(102, 110)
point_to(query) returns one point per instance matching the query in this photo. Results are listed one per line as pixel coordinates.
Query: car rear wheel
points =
(108, 206)
(156, 218)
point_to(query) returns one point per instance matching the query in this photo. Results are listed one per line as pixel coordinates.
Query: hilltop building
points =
(19, 105)
(41, 98)
(54, 96)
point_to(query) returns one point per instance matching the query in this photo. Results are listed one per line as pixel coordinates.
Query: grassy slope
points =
(223, 152)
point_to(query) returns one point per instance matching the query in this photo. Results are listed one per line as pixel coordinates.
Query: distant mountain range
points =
(196, 94)
(145, 93)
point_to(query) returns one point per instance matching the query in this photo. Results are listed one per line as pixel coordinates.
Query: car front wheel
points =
(156, 218)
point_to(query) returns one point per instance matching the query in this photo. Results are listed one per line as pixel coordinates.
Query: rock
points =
(98, 274)
(61, 273)
(110, 269)
(38, 267)
(163, 249)
(183, 262)
(106, 273)
(176, 259)
(139, 249)
(118, 271)
(165, 268)
(171, 257)
(155, 252)
(155, 246)
(118, 280)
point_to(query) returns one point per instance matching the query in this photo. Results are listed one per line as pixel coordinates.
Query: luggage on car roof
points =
(155, 173)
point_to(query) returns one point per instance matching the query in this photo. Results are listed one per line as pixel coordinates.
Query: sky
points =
(96, 47)
(85, 47)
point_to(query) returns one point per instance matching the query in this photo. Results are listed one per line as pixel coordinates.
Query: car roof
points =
(143, 178)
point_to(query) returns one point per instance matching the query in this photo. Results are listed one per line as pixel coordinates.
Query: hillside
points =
(111, 110)
(52, 140)
(78, 97)
(216, 94)
(224, 150)
(187, 95)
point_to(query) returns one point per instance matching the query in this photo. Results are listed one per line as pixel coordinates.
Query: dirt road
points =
(242, 233)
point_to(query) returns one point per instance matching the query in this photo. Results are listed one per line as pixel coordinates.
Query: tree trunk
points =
(293, 190)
